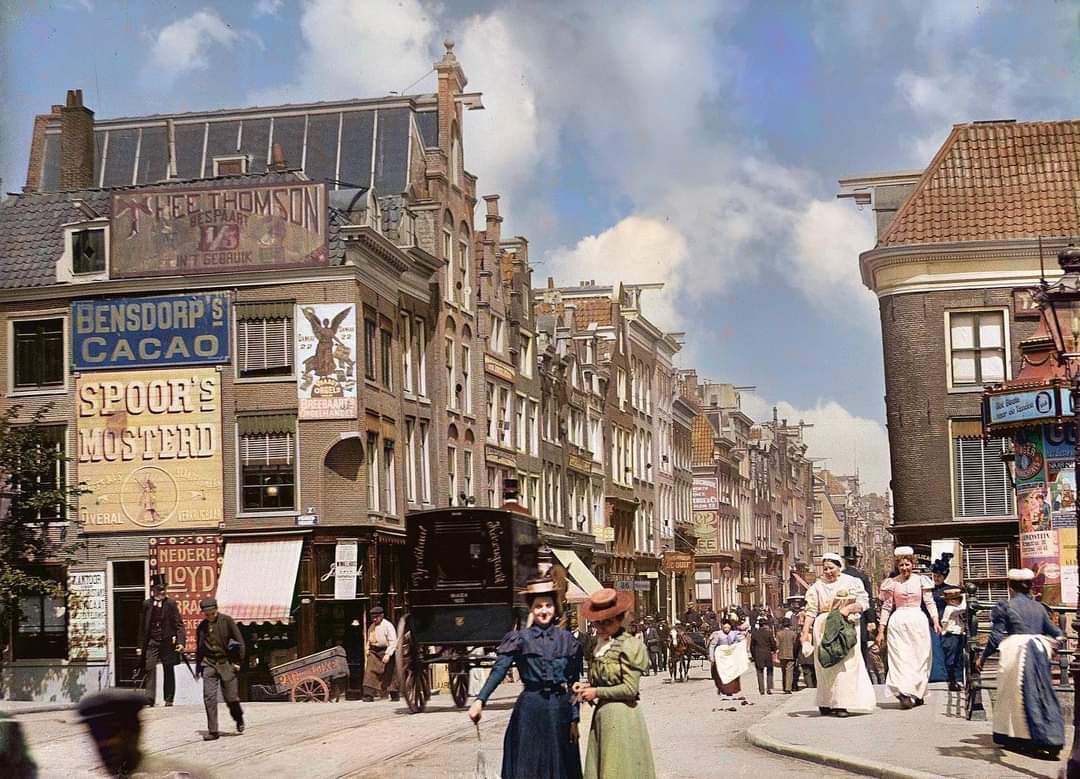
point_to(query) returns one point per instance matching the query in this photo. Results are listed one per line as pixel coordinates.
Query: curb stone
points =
(42, 709)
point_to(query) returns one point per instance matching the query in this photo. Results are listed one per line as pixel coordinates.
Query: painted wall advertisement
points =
(111, 333)
(1046, 506)
(326, 361)
(706, 495)
(190, 565)
(149, 449)
(217, 230)
(87, 616)
(706, 530)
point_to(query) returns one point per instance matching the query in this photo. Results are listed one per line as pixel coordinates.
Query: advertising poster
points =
(1030, 464)
(1033, 506)
(1039, 552)
(217, 230)
(87, 616)
(706, 495)
(326, 361)
(706, 530)
(112, 333)
(346, 569)
(190, 565)
(1063, 496)
(1067, 560)
(149, 449)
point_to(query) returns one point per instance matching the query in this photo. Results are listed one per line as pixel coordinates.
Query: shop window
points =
(976, 348)
(39, 353)
(88, 250)
(703, 585)
(264, 340)
(981, 479)
(41, 633)
(267, 464)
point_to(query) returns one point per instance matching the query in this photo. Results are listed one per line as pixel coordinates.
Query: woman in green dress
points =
(618, 741)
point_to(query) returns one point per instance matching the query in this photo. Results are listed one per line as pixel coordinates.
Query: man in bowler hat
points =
(161, 640)
(218, 654)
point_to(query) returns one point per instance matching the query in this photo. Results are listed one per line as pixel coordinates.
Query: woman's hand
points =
(879, 641)
(978, 664)
(476, 710)
(587, 694)
(574, 736)
(937, 628)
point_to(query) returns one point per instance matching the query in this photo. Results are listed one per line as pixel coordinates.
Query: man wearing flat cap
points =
(379, 676)
(161, 640)
(218, 654)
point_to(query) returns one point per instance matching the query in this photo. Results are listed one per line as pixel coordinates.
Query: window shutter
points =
(982, 479)
(264, 344)
(267, 449)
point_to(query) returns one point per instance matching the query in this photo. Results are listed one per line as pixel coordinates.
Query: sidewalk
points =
(15, 708)
(929, 741)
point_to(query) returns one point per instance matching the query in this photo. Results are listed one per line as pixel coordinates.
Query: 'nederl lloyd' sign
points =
(150, 331)
(1029, 406)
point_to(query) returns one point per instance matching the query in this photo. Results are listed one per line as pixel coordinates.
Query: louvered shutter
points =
(264, 344)
(982, 479)
(266, 449)
(987, 567)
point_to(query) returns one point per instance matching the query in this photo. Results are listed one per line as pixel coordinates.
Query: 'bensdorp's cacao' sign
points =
(176, 232)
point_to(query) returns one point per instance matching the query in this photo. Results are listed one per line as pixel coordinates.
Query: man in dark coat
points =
(762, 646)
(218, 654)
(161, 639)
(869, 617)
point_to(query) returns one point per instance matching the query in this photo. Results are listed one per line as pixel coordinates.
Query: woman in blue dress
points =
(541, 740)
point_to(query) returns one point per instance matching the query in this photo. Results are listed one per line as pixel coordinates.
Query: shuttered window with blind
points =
(267, 463)
(987, 567)
(264, 339)
(982, 478)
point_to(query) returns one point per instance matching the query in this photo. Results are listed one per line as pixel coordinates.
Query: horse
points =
(679, 649)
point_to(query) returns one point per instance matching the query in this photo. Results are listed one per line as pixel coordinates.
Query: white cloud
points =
(829, 236)
(267, 7)
(184, 45)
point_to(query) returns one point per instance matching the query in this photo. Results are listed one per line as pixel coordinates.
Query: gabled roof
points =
(995, 181)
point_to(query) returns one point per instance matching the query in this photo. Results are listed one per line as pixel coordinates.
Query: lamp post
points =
(1063, 301)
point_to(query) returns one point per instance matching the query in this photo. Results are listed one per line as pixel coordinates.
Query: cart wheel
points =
(459, 682)
(310, 689)
(412, 676)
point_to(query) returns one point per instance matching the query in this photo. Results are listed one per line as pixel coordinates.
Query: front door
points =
(129, 592)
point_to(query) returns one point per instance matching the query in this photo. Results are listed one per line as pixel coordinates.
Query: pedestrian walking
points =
(869, 617)
(161, 640)
(541, 740)
(728, 658)
(1027, 713)
(618, 740)
(904, 624)
(379, 676)
(939, 571)
(953, 630)
(654, 643)
(843, 684)
(762, 648)
(219, 650)
(787, 643)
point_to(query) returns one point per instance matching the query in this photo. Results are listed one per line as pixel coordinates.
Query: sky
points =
(695, 144)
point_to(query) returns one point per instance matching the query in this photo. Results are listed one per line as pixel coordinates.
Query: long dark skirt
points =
(537, 742)
(734, 687)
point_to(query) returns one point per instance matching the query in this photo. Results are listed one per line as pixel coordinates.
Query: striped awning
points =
(258, 578)
(578, 572)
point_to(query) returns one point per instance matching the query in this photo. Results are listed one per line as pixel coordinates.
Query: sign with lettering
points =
(326, 361)
(706, 531)
(87, 616)
(150, 331)
(706, 495)
(497, 368)
(677, 562)
(190, 565)
(149, 450)
(346, 562)
(1012, 407)
(176, 232)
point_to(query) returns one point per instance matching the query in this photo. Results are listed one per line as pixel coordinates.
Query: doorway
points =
(129, 592)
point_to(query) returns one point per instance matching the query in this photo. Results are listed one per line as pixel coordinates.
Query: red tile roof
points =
(996, 181)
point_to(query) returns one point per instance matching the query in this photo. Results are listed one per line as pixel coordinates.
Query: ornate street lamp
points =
(1060, 305)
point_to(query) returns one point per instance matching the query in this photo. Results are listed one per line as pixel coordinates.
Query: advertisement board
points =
(1040, 552)
(149, 449)
(1027, 406)
(1067, 562)
(176, 232)
(706, 531)
(706, 494)
(190, 565)
(87, 616)
(677, 562)
(326, 361)
(346, 569)
(150, 331)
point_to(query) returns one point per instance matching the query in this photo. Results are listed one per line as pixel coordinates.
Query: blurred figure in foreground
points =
(15, 760)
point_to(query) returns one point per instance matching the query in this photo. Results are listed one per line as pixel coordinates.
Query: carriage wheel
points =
(310, 689)
(459, 682)
(412, 676)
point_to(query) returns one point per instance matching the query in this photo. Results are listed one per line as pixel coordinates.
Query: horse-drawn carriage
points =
(467, 567)
(686, 644)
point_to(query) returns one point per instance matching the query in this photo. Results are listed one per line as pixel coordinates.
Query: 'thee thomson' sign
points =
(176, 232)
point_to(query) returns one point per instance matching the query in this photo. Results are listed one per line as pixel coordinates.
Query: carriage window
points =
(462, 561)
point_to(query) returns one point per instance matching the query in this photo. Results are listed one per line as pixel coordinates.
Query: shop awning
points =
(575, 594)
(578, 572)
(258, 577)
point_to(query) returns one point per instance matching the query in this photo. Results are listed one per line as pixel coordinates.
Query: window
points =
(462, 284)
(235, 165)
(386, 352)
(491, 475)
(453, 389)
(466, 387)
(30, 482)
(504, 417)
(39, 353)
(264, 340)
(448, 255)
(42, 629)
(620, 387)
(703, 585)
(406, 353)
(389, 501)
(492, 422)
(988, 567)
(981, 479)
(373, 471)
(976, 348)
(370, 345)
(467, 473)
(424, 451)
(410, 460)
(267, 464)
(497, 339)
(525, 355)
(420, 334)
(519, 424)
(88, 251)
(451, 475)
(534, 428)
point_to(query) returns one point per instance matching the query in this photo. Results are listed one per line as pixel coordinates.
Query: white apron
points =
(731, 660)
(910, 652)
(845, 685)
(1009, 717)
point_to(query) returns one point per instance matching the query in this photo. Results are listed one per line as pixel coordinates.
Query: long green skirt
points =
(619, 743)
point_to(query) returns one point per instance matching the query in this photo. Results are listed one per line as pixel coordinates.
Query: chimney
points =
(551, 282)
(76, 143)
(451, 83)
(277, 158)
(492, 218)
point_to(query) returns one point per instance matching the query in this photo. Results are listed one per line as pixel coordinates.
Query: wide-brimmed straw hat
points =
(606, 603)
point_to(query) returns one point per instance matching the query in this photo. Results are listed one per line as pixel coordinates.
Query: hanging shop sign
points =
(87, 616)
(677, 562)
(706, 494)
(171, 232)
(191, 566)
(149, 450)
(1006, 409)
(150, 331)
(326, 361)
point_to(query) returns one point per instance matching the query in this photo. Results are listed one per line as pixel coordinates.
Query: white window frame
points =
(63, 314)
(406, 353)
(421, 361)
(410, 460)
(525, 355)
(953, 388)
(65, 266)
(451, 473)
(424, 451)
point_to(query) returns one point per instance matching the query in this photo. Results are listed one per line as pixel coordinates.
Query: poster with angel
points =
(326, 360)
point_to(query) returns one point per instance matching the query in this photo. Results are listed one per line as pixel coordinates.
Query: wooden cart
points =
(312, 678)
(462, 594)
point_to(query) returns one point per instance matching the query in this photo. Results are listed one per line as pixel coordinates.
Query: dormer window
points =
(235, 165)
(88, 250)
